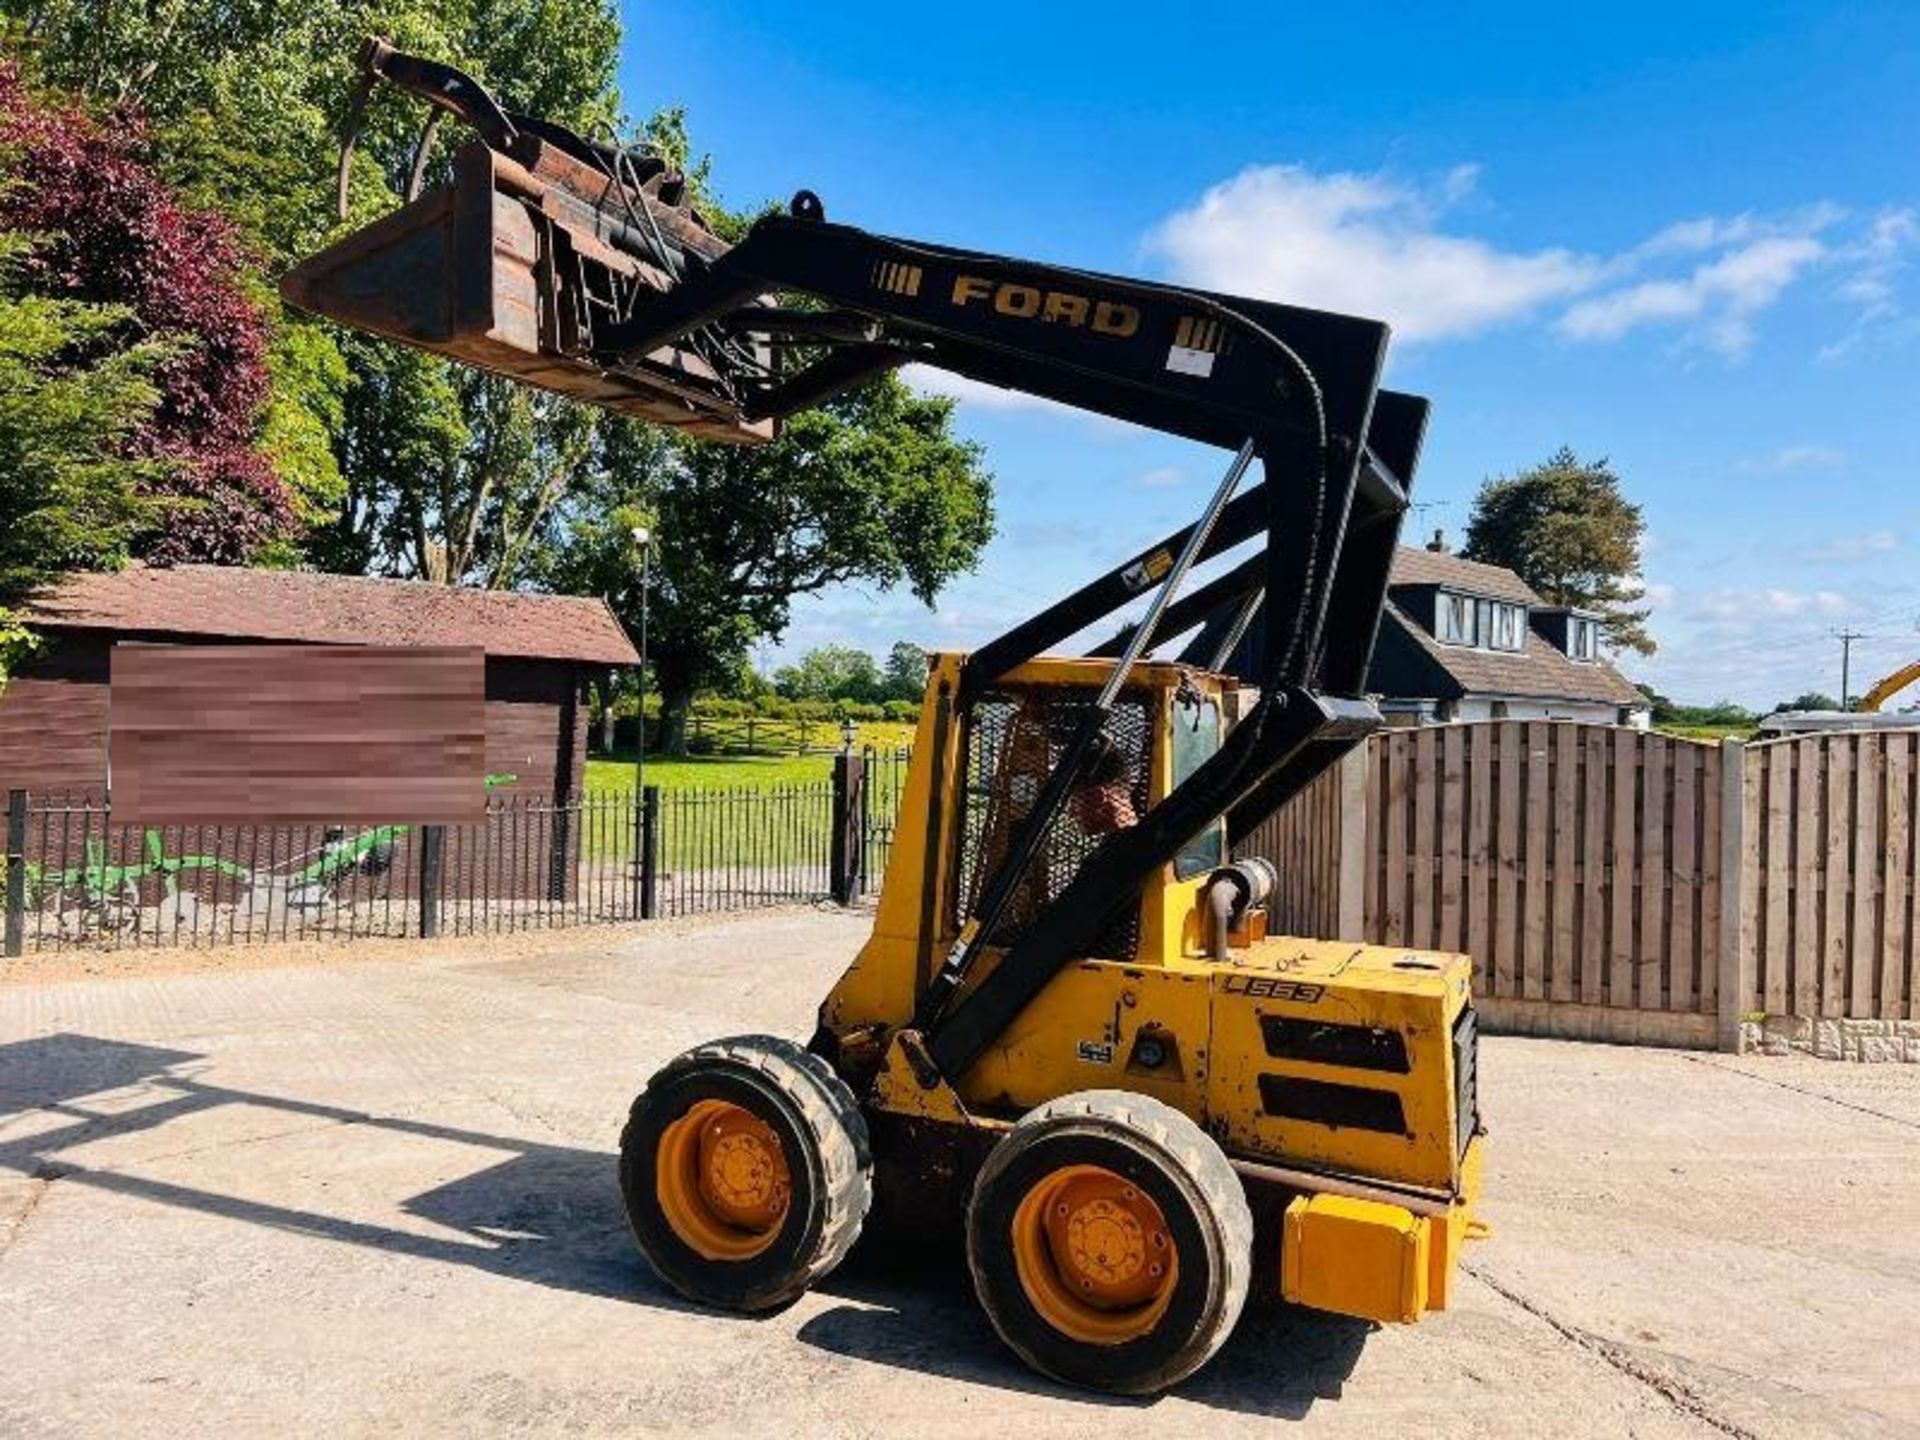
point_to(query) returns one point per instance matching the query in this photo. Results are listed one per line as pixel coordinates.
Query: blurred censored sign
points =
(297, 734)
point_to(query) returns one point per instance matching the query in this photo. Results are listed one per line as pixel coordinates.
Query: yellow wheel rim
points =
(722, 1181)
(1094, 1255)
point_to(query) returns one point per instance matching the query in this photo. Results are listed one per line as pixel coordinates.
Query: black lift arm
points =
(1296, 389)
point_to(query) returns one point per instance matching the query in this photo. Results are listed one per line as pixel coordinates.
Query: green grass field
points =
(739, 813)
(745, 812)
(714, 772)
(709, 772)
(1709, 733)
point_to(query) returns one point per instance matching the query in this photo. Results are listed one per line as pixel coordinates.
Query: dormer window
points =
(1583, 638)
(1484, 624)
(1456, 620)
(1507, 627)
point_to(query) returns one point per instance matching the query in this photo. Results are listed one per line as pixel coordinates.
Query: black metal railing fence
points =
(70, 877)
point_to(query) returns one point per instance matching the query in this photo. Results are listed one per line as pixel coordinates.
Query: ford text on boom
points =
(1060, 307)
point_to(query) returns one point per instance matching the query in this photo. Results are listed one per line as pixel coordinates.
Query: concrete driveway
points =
(374, 1190)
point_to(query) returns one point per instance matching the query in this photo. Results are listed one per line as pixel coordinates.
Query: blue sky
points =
(1686, 238)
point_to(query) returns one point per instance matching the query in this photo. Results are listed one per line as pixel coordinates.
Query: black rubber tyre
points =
(1177, 1166)
(823, 1140)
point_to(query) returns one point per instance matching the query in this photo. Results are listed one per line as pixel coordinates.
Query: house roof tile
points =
(300, 606)
(1431, 567)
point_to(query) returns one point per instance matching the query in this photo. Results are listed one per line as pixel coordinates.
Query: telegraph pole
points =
(1846, 639)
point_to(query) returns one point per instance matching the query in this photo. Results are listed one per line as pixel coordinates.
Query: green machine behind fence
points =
(103, 895)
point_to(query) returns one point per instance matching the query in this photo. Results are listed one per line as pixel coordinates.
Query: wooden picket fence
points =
(1827, 915)
(1615, 884)
(1304, 841)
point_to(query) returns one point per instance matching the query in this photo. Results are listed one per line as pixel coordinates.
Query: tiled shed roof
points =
(300, 606)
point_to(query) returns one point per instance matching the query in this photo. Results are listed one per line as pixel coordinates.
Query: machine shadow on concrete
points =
(551, 1215)
(548, 1214)
(914, 1310)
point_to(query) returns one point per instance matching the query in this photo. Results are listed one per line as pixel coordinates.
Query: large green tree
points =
(1810, 700)
(395, 459)
(1566, 528)
(247, 95)
(870, 488)
(68, 496)
(451, 475)
(108, 231)
(830, 672)
(413, 467)
(906, 672)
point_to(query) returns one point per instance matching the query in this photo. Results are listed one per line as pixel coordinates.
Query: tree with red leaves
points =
(105, 230)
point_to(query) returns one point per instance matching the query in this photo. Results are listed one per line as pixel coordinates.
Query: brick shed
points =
(543, 651)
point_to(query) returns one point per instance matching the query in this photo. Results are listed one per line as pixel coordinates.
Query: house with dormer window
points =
(1461, 640)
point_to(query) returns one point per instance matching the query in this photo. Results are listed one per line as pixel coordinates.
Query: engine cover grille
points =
(1466, 1077)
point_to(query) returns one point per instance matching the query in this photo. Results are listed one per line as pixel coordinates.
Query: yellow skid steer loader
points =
(1069, 1030)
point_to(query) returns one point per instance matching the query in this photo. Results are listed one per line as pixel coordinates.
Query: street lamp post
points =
(643, 539)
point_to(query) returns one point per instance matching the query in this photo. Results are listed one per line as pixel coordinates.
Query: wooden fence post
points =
(16, 874)
(649, 852)
(847, 843)
(432, 845)
(1736, 959)
(1354, 844)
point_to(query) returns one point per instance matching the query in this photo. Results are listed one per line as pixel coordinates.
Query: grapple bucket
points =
(514, 265)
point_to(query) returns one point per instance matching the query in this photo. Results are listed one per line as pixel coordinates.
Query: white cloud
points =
(1857, 547)
(1877, 258)
(1874, 263)
(1460, 182)
(1795, 602)
(979, 395)
(1789, 458)
(1370, 243)
(1724, 232)
(1758, 644)
(1049, 534)
(1750, 604)
(1722, 296)
(1363, 244)
(1376, 244)
(1687, 237)
(934, 381)
(1162, 477)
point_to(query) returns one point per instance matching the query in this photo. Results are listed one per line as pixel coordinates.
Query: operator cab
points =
(1166, 722)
